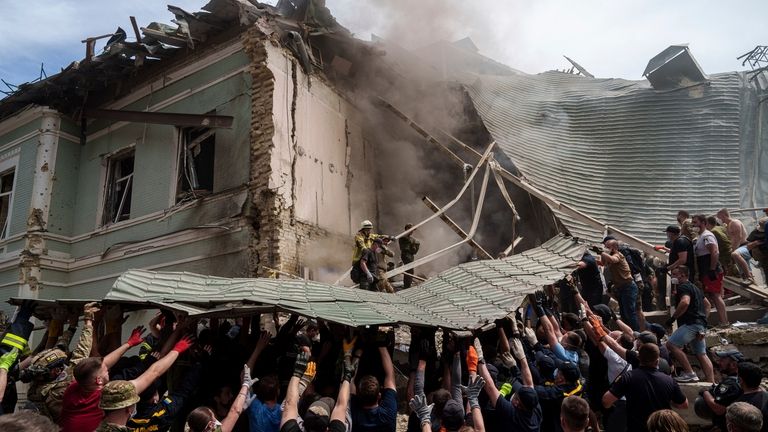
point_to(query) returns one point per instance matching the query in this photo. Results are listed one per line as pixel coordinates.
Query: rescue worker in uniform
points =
(364, 270)
(409, 247)
(364, 239)
(118, 400)
(382, 283)
(712, 403)
(53, 372)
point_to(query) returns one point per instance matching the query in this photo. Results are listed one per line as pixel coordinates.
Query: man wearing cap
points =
(522, 412)
(364, 270)
(720, 395)
(118, 400)
(691, 316)
(708, 262)
(409, 247)
(567, 383)
(80, 406)
(646, 389)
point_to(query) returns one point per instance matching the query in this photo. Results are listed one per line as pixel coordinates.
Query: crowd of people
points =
(566, 360)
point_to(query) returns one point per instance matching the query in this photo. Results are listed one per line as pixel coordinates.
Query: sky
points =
(610, 38)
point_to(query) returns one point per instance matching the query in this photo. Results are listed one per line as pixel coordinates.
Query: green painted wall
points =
(22, 193)
(63, 199)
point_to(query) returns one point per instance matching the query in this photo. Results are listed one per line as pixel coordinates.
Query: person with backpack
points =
(636, 263)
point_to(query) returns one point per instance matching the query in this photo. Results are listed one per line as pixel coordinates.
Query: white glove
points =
(530, 336)
(369, 276)
(508, 360)
(516, 346)
(479, 350)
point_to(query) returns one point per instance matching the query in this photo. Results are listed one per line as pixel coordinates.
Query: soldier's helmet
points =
(118, 394)
(366, 224)
(49, 359)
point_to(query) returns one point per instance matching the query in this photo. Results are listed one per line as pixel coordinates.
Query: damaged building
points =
(250, 140)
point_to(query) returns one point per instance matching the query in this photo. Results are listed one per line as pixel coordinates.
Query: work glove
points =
(248, 381)
(183, 344)
(508, 360)
(506, 389)
(369, 277)
(136, 338)
(516, 346)
(89, 310)
(472, 359)
(597, 326)
(423, 411)
(530, 336)
(8, 359)
(350, 367)
(348, 346)
(300, 366)
(479, 350)
(473, 392)
(309, 374)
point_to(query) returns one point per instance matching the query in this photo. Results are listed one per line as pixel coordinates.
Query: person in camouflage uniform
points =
(409, 247)
(382, 283)
(723, 245)
(118, 400)
(53, 373)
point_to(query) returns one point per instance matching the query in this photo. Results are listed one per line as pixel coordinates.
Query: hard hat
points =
(49, 358)
(366, 224)
(118, 394)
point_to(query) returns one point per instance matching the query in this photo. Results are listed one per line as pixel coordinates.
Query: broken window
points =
(117, 202)
(6, 198)
(196, 156)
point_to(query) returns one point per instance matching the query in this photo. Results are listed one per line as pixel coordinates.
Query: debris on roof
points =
(674, 68)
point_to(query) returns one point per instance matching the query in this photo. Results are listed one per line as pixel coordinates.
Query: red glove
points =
(183, 344)
(472, 359)
(136, 338)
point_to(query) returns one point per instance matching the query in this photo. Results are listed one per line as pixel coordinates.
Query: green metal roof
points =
(467, 296)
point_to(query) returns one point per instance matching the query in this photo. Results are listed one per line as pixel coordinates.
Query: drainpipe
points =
(37, 217)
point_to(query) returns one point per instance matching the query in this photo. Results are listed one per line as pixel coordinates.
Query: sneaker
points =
(687, 377)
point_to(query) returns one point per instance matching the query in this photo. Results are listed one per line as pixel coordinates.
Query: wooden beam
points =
(457, 229)
(176, 119)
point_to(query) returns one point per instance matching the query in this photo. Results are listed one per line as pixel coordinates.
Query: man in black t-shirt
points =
(646, 389)
(680, 251)
(691, 314)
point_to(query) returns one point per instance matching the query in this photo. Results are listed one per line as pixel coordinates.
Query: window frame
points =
(106, 173)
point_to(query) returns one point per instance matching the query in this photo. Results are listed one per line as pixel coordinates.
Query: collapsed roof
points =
(468, 296)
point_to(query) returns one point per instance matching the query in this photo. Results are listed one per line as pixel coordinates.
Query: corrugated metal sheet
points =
(467, 296)
(618, 150)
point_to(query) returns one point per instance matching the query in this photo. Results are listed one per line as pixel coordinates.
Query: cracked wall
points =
(310, 165)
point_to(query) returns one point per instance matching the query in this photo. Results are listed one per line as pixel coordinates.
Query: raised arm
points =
(159, 367)
(238, 405)
(473, 395)
(342, 401)
(264, 338)
(389, 369)
(135, 339)
(291, 402)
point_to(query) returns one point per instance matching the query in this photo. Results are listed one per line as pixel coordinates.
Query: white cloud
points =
(610, 38)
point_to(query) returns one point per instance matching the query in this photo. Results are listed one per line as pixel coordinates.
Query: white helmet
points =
(366, 224)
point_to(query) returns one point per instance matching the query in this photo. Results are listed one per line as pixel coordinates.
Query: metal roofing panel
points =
(618, 150)
(463, 297)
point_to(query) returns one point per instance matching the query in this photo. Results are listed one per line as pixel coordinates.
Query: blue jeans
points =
(688, 334)
(627, 296)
